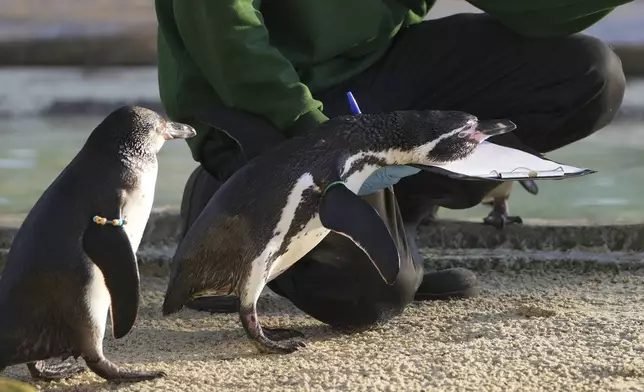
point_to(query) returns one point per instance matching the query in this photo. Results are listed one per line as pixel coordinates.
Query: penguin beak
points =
(175, 130)
(489, 128)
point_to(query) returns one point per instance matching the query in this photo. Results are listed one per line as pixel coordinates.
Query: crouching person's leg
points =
(221, 157)
(337, 284)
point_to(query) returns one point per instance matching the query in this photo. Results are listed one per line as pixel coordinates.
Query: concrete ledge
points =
(548, 246)
(561, 237)
(163, 229)
(155, 261)
(131, 47)
(504, 260)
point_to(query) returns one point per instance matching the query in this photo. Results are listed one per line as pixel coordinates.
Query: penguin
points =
(282, 203)
(74, 256)
(497, 198)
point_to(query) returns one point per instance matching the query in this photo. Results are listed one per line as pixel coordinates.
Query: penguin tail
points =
(170, 307)
(7, 345)
(177, 294)
(8, 352)
(173, 302)
(4, 357)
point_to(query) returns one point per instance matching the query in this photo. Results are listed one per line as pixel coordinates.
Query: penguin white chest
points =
(299, 245)
(138, 206)
(98, 301)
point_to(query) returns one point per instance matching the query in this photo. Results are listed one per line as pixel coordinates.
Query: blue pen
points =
(353, 104)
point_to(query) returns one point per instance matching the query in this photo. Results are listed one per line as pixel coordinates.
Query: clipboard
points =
(493, 162)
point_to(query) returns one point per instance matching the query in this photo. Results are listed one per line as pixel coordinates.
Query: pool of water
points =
(33, 150)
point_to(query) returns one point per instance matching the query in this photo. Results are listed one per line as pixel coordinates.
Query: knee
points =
(371, 311)
(415, 193)
(600, 70)
(392, 300)
(376, 306)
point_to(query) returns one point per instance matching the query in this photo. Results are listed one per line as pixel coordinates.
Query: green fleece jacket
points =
(268, 57)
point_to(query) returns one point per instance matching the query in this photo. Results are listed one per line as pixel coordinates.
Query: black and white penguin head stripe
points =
(136, 131)
(444, 136)
(426, 137)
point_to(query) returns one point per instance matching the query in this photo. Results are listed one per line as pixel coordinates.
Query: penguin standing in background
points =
(74, 256)
(498, 199)
(283, 203)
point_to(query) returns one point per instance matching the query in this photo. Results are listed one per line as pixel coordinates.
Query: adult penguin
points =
(74, 256)
(280, 205)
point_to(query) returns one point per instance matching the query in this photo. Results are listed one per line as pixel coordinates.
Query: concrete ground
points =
(528, 331)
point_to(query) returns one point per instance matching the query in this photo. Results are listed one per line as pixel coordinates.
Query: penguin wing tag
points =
(344, 212)
(109, 248)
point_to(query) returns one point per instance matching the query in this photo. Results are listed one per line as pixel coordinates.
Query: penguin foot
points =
(500, 220)
(42, 371)
(500, 217)
(106, 369)
(279, 334)
(429, 217)
(268, 340)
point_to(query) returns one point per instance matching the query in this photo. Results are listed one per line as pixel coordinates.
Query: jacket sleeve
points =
(230, 44)
(548, 18)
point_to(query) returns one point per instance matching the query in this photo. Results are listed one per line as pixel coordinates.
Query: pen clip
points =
(355, 109)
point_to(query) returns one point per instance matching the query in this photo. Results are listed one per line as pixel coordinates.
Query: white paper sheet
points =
(491, 161)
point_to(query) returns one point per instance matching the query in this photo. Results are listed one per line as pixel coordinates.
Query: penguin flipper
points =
(109, 248)
(346, 213)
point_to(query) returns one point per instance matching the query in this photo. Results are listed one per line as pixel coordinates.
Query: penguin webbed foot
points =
(43, 371)
(499, 217)
(268, 340)
(268, 346)
(111, 372)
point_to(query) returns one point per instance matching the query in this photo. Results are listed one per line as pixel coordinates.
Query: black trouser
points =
(556, 90)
